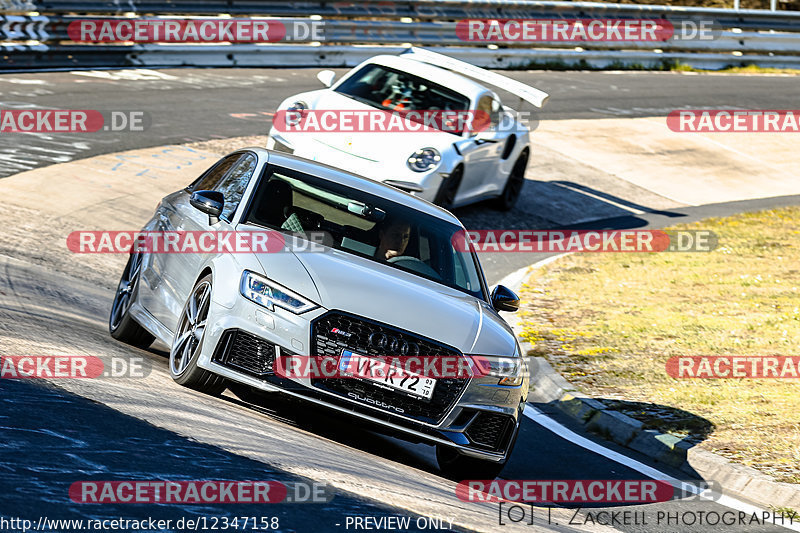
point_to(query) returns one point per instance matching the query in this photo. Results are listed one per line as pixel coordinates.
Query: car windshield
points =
(368, 226)
(394, 90)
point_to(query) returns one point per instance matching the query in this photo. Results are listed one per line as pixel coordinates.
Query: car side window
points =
(481, 122)
(211, 178)
(233, 185)
(497, 113)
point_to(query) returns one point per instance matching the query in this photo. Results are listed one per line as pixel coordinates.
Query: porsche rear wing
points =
(526, 92)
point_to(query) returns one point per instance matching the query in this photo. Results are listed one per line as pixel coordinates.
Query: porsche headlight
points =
(424, 159)
(295, 112)
(511, 370)
(265, 292)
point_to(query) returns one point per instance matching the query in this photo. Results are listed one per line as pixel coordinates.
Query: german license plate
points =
(371, 369)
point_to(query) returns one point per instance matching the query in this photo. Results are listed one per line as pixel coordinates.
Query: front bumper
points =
(422, 184)
(482, 419)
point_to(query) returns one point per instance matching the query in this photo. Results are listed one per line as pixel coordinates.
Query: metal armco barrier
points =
(35, 34)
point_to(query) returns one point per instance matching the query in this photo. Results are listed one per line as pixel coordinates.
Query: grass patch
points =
(661, 66)
(609, 322)
(745, 69)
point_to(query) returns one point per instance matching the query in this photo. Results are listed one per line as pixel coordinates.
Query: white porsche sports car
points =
(449, 160)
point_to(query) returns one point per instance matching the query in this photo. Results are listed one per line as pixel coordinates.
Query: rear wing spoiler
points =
(526, 92)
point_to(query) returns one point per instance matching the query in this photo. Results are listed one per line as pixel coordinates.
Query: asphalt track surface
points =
(153, 429)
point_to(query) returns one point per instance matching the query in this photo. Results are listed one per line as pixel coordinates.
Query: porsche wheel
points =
(514, 184)
(446, 195)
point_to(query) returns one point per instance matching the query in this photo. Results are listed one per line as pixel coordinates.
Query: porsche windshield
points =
(365, 225)
(394, 90)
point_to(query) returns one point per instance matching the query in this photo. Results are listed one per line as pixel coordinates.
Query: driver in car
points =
(393, 239)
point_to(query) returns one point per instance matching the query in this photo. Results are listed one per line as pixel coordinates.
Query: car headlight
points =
(424, 159)
(511, 370)
(295, 112)
(265, 292)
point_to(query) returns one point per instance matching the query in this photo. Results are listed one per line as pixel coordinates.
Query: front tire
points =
(189, 341)
(458, 467)
(514, 184)
(446, 195)
(121, 324)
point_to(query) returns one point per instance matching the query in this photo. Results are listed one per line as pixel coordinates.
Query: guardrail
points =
(42, 40)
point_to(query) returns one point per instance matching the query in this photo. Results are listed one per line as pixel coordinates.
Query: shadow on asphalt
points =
(558, 204)
(330, 425)
(52, 438)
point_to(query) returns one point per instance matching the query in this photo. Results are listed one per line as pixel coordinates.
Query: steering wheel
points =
(415, 265)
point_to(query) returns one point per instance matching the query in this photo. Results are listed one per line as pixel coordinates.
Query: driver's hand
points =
(391, 253)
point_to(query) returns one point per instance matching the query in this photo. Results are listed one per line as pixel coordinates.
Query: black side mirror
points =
(210, 203)
(504, 299)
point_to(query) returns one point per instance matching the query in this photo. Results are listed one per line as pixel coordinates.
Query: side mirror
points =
(210, 203)
(326, 77)
(504, 299)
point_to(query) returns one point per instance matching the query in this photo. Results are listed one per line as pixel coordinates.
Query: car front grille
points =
(245, 352)
(490, 430)
(336, 331)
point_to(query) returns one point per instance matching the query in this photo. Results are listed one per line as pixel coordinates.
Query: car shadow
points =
(52, 438)
(560, 204)
(321, 421)
(568, 460)
(331, 425)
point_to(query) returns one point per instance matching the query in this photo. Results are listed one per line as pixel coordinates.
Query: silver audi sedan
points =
(353, 270)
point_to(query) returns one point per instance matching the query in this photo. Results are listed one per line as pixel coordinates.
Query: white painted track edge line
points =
(727, 501)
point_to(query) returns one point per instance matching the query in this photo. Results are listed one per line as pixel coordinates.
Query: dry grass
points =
(749, 69)
(609, 323)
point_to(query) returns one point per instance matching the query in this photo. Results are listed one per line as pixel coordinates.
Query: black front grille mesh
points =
(353, 333)
(245, 352)
(489, 430)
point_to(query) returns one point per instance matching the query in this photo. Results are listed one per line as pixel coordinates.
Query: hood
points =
(382, 293)
(364, 153)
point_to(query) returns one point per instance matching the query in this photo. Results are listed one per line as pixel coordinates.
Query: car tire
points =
(188, 343)
(446, 195)
(458, 467)
(514, 184)
(121, 325)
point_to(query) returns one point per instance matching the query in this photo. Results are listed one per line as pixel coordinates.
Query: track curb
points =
(548, 386)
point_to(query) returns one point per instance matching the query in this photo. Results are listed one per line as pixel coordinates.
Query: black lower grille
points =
(490, 430)
(247, 353)
(336, 331)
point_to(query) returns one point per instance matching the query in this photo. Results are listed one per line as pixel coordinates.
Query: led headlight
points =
(424, 159)
(295, 112)
(510, 370)
(269, 294)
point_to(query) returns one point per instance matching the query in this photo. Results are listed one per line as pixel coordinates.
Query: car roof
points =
(447, 78)
(355, 181)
